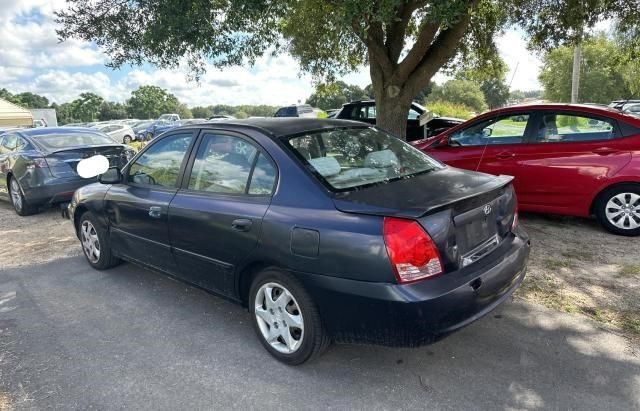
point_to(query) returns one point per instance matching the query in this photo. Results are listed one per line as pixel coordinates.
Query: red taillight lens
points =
(412, 253)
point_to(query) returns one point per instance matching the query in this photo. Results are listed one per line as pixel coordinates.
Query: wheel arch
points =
(603, 190)
(245, 277)
(78, 212)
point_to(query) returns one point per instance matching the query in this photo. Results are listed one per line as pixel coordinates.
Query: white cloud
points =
(524, 66)
(32, 59)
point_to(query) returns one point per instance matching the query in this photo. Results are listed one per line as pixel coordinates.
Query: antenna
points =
(514, 74)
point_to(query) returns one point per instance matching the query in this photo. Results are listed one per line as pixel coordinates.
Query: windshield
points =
(345, 159)
(63, 141)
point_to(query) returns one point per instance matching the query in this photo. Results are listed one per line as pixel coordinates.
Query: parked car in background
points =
(159, 128)
(169, 117)
(120, 133)
(38, 166)
(296, 110)
(39, 123)
(622, 104)
(632, 109)
(365, 111)
(324, 229)
(567, 159)
(151, 130)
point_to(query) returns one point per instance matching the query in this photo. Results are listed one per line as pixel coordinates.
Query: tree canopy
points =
(333, 95)
(404, 42)
(605, 73)
(462, 92)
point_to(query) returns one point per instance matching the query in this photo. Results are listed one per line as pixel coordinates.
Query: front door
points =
(215, 219)
(138, 208)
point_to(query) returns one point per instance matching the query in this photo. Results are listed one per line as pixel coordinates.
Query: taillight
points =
(412, 253)
(37, 162)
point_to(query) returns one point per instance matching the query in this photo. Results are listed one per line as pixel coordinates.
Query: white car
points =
(120, 133)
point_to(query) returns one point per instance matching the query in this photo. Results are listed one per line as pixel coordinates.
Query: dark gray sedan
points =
(325, 229)
(38, 166)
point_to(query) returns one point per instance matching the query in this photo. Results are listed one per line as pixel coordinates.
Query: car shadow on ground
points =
(73, 337)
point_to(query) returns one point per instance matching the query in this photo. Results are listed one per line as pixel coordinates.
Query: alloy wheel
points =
(623, 211)
(90, 241)
(16, 197)
(279, 318)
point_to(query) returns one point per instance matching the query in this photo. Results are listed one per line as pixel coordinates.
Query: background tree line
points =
(147, 102)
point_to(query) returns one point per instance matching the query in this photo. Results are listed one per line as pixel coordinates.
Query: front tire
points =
(95, 243)
(285, 318)
(618, 210)
(18, 201)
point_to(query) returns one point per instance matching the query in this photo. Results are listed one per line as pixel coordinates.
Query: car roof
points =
(282, 126)
(43, 131)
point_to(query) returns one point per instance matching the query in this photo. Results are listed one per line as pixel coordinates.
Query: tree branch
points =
(397, 31)
(442, 49)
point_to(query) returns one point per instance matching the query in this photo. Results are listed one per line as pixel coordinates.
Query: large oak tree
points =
(404, 42)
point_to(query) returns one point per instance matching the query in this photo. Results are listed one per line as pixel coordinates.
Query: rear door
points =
(215, 218)
(569, 156)
(138, 208)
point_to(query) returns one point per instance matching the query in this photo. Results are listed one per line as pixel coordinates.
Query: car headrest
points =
(326, 166)
(381, 159)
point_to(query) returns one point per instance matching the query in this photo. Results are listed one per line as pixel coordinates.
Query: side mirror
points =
(111, 176)
(486, 132)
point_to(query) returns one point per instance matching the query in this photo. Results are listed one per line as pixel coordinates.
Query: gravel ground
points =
(575, 265)
(35, 239)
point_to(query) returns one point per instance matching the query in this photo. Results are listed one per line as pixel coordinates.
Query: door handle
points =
(505, 154)
(155, 211)
(241, 224)
(603, 151)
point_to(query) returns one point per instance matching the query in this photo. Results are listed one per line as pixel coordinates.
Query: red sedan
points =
(567, 159)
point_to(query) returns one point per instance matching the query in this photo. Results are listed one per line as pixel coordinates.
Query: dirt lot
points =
(575, 266)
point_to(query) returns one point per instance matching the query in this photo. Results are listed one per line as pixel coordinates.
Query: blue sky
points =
(32, 59)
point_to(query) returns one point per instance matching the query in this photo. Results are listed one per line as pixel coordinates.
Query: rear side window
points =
(231, 165)
(160, 164)
(558, 128)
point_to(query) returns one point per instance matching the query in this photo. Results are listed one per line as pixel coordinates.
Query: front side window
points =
(223, 165)
(344, 159)
(501, 130)
(556, 128)
(160, 164)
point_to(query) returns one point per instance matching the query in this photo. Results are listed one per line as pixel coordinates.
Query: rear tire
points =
(95, 243)
(289, 325)
(618, 210)
(18, 201)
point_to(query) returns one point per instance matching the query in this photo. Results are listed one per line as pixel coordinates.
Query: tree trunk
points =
(391, 114)
(392, 104)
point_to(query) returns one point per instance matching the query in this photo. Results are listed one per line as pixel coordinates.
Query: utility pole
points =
(575, 77)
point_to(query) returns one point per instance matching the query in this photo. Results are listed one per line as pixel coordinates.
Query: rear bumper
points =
(422, 312)
(55, 190)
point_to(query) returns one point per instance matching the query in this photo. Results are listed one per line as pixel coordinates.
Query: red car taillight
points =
(412, 253)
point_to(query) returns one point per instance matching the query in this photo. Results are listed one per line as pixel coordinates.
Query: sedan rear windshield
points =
(64, 141)
(345, 159)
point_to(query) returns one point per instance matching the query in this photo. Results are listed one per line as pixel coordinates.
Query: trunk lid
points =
(63, 163)
(467, 214)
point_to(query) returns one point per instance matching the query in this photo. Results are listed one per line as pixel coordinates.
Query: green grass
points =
(628, 271)
(578, 255)
(553, 264)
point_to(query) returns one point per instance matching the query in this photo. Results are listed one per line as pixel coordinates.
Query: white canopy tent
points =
(12, 115)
